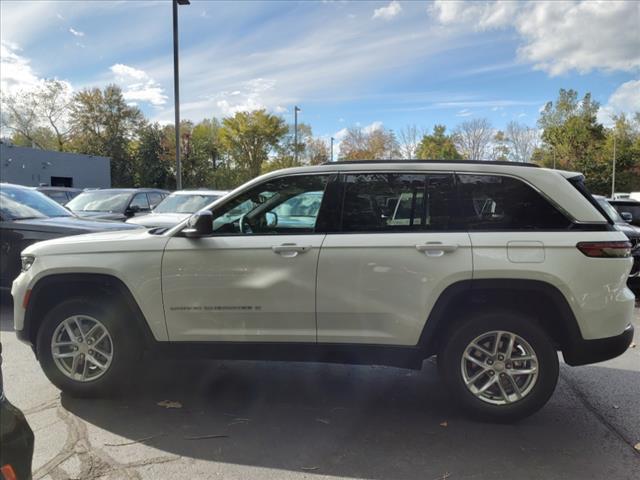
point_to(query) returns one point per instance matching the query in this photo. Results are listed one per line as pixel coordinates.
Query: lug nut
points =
(500, 357)
(90, 352)
(79, 340)
(491, 373)
(489, 362)
(508, 365)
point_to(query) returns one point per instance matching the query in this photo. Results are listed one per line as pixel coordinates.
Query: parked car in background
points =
(177, 206)
(16, 439)
(632, 232)
(28, 216)
(62, 195)
(116, 203)
(634, 196)
(628, 210)
(492, 266)
(620, 196)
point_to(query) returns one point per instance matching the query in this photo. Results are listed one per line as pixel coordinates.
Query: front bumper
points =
(582, 352)
(19, 290)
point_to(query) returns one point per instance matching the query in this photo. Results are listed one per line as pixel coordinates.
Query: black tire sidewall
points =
(124, 346)
(548, 366)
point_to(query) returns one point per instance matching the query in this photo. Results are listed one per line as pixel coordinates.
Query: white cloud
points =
(388, 12)
(626, 98)
(15, 70)
(138, 86)
(253, 95)
(464, 113)
(76, 33)
(377, 125)
(558, 37)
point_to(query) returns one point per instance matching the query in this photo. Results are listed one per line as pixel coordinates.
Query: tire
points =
(513, 395)
(125, 347)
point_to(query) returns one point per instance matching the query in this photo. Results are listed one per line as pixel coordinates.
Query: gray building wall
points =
(32, 167)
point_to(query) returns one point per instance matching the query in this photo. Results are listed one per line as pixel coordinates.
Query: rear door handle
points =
(436, 249)
(290, 249)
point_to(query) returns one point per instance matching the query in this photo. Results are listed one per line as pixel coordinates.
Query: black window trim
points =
(332, 177)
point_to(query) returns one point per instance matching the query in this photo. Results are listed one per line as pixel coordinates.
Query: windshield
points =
(21, 204)
(611, 212)
(185, 203)
(100, 201)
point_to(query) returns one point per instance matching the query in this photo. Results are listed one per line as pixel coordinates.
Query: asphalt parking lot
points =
(255, 420)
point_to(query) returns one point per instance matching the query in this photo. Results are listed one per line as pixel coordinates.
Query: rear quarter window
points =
(496, 202)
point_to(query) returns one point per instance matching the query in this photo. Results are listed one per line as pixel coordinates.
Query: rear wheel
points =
(86, 346)
(499, 365)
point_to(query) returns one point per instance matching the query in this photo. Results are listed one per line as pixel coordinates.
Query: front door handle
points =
(436, 249)
(290, 249)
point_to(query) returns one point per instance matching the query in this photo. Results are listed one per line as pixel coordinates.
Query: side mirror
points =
(132, 210)
(200, 224)
(271, 219)
(627, 216)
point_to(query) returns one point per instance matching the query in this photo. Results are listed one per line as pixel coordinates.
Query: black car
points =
(116, 203)
(28, 216)
(16, 439)
(62, 195)
(630, 207)
(633, 234)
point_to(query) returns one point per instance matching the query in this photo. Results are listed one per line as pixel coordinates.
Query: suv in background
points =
(493, 267)
(629, 209)
(28, 216)
(62, 195)
(116, 203)
(632, 232)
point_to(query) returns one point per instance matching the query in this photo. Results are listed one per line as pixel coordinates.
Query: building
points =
(34, 167)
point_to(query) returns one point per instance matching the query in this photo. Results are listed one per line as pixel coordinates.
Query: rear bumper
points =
(582, 352)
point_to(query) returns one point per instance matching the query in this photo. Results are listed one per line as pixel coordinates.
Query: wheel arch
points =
(536, 298)
(52, 289)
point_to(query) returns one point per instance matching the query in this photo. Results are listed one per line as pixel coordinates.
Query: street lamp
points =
(613, 177)
(176, 88)
(295, 133)
(332, 149)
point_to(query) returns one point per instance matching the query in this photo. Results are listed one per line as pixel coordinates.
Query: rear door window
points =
(389, 202)
(496, 202)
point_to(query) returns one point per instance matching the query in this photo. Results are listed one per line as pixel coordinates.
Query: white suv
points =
(493, 267)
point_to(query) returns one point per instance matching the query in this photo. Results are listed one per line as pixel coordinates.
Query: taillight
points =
(8, 473)
(605, 249)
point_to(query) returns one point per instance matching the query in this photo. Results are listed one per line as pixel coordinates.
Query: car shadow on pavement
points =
(347, 421)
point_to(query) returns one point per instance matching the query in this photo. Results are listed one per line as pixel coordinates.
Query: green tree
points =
(438, 146)
(103, 124)
(623, 139)
(152, 167)
(249, 137)
(376, 144)
(572, 139)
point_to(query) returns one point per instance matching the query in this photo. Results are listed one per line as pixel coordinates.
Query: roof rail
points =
(464, 162)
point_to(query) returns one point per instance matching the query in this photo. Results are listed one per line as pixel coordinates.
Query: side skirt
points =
(403, 357)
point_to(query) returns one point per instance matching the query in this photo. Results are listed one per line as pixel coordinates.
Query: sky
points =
(343, 63)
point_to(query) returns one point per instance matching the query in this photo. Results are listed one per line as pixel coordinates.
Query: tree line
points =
(225, 153)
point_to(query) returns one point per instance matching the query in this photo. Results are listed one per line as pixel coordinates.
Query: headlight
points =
(27, 261)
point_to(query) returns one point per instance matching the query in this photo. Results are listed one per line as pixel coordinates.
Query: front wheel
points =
(500, 366)
(85, 346)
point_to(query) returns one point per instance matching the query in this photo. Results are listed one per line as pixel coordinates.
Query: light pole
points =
(176, 88)
(295, 133)
(332, 149)
(613, 177)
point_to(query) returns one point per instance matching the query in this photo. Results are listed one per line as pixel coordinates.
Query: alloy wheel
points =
(499, 367)
(82, 348)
